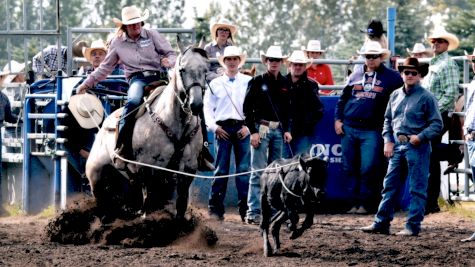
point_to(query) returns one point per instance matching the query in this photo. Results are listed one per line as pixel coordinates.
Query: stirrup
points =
(116, 161)
(205, 161)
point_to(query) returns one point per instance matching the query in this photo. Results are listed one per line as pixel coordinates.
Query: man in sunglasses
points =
(359, 116)
(266, 109)
(442, 80)
(411, 121)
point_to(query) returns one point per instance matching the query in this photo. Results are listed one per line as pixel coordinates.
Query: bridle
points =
(184, 103)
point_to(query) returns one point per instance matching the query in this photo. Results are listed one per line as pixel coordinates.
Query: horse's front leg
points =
(182, 192)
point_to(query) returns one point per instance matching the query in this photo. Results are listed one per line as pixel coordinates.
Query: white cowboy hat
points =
(96, 45)
(314, 46)
(131, 15)
(419, 48)
(87, 110)
(298, 56)
(232, 51)
(222, 23)
(274, 51)
(15, 67)
(374, 48)
(441, 33)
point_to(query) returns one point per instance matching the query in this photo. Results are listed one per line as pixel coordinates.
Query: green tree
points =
(461, 24)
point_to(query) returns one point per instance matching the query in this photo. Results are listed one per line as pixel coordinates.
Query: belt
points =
(403, 139)
(270, 124)
(146, 73)
(230, 122)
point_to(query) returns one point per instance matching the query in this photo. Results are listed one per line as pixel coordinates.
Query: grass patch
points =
(11, 210)
(465, 209)
(49, 212)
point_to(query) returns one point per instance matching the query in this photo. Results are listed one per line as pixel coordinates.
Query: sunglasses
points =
(223, 30)
(273, 59)
(372, 56)
(410, 72)
(438, 41)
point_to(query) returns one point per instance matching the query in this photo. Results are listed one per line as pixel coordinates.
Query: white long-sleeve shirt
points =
(217, 103)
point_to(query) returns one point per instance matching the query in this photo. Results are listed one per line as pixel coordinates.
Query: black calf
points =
(304, 182)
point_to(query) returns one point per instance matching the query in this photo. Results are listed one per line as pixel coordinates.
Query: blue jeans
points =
(268, 150)
(418, 160)
(242, 155)
(298, 145)
(362, 151)
(134, 98)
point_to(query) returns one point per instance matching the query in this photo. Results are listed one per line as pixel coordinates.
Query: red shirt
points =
(322, 73)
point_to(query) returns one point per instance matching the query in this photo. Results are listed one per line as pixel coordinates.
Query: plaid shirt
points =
(442, 80)
(50, 60)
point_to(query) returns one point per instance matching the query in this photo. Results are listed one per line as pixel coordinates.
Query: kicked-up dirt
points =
(334, 240)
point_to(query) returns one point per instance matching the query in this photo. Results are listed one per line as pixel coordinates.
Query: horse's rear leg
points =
(182, 192)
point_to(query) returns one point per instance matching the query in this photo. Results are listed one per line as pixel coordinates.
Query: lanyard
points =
(367, 87)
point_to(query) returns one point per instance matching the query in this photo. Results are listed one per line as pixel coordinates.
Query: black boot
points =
(205, 159)
(123, 146)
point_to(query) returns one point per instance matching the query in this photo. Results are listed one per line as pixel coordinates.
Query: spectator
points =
(223, 110)
(469, 125)
(266, 110)
(5, 115)
(442, 80)
(373, 32)
(145, 55)
(46, 63)
(412, 119)
(322, 73)
(419, 51)
(306, 107)
(222, 33)
(359, 119)
(95, 55)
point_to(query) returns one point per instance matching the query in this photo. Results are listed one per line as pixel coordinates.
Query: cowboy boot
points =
(205, 159)
(123, 145)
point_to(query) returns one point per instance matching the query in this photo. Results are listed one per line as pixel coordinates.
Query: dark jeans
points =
(433, 189)
(242, 156)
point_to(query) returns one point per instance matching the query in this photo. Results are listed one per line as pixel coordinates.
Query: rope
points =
(285, 187)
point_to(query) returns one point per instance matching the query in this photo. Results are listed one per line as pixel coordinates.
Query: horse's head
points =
(191, 67)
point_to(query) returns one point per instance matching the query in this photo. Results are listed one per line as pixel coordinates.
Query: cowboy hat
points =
(419, 48)
(441, 33)
(15, 67)
(298, 56)
(274, 51)
(232, 51)
(374, 48)
(374, 29)
(413, 63)
(131, 15)
(222, 23)
(95, 45)
(87, 110)
(314, 46)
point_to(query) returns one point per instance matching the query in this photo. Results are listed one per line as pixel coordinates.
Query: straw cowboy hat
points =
(374, 48)
(274, 51)
(222, 23)
(87, 110)
(413, 63)
(15, 67)
(131, 15)
(314, 46)
(95, 45)
(298, 56)
(441, 33)
(420, 48)
(232, 51)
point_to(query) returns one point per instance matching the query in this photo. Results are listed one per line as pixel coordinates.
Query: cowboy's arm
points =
(209, 105)
(434, 119)
(164, 48)
(388, 133)
(248, 106)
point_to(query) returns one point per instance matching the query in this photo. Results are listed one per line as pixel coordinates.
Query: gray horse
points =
(167, 135)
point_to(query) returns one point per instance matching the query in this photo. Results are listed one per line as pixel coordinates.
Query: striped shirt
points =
(49, 59)
(140, 55)
(442, 80)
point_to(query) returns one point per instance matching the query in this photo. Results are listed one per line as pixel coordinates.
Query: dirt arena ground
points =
(334, 240)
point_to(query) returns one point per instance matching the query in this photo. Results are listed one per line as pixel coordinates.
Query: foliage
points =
(461, 23)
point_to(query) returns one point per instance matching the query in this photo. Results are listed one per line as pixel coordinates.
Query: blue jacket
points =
(364, 99)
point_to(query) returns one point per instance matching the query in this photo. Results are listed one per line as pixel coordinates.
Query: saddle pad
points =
(110, 123)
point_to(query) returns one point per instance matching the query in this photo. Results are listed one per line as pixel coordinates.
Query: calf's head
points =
(316, 168)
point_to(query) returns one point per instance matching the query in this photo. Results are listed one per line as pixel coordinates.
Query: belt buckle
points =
(402, 139)
(273, 124)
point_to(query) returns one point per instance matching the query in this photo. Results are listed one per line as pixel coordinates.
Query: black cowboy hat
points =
(413, 63)
(374, 29)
